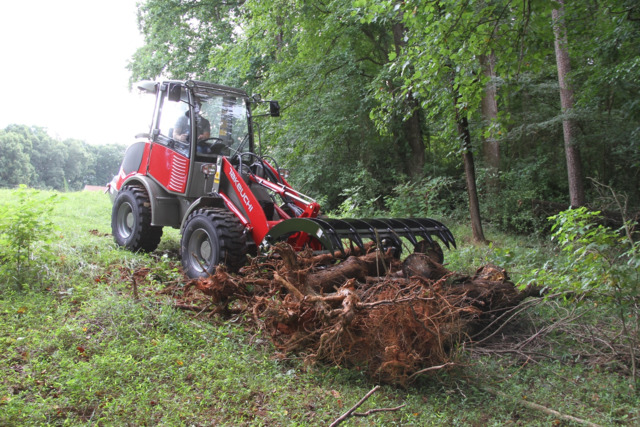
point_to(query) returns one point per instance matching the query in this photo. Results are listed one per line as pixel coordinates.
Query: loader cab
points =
(193, 124)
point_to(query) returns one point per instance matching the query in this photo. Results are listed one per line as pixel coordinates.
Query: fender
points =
(165, 208)
(202, 202)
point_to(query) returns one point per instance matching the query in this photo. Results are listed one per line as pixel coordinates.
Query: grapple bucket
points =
(332, 234)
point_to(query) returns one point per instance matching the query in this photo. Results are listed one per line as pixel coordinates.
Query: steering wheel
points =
(213, 145)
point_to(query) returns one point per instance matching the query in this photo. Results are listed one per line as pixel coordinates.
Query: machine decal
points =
(179, 170)
(241, 193)
(169, 168)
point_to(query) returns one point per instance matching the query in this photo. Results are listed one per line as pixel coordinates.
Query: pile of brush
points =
(367, 310)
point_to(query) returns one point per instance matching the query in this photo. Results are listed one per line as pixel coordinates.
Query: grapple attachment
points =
(332, 234)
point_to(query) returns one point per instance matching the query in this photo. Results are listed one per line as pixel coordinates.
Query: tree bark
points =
(572, 153)
(412, 125)
(470, 174)
(491, 147)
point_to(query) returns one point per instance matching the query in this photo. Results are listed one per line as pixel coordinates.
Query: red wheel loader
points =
(196, 170)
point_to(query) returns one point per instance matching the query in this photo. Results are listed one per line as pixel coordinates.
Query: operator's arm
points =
(204, 129)
(181, 129)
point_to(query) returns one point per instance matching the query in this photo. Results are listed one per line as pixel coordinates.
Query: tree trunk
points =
(572, 153)
(491, 147)
(413, 132)
(470, 174)
(412, 126)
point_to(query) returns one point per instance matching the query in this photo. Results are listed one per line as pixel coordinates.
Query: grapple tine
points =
(353, 235)
(331, 232)
(426, 230)
(396, 225)
(411, 225)
(385, 231)
(438, 229)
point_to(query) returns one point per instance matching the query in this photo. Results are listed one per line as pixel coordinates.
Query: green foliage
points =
(88, 352)
(31, 157)
(511, 209)
(600, 266)
(26, 233)
(418, 199)
(593, 260)
(351, 74)
(15, 166)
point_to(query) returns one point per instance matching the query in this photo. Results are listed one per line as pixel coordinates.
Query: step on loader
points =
(196, 170)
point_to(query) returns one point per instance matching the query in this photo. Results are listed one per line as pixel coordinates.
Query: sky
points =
(62, 67)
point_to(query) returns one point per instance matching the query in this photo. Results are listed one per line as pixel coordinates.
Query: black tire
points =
(131, 221)
(210, 237)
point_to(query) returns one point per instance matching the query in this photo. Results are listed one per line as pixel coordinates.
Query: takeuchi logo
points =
(241, 193)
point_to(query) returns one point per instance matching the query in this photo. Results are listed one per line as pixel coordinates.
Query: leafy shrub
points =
(416, 199)
(361, 200)
(357, 203)
(25, 236)
(593, 259)
(511, 209)
(599, 265)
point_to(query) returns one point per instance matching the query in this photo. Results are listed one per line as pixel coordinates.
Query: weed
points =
(26, 235)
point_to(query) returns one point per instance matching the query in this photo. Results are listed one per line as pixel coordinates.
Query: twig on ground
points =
(430, 368)
(541, 408)
(374, 410)
(351, 412)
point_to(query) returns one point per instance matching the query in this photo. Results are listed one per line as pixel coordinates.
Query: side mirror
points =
(274, 109)
(175, 92)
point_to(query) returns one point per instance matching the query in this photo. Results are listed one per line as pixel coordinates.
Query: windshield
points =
(226, 120)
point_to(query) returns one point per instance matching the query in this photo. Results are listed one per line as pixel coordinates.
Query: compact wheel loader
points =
(196, 170)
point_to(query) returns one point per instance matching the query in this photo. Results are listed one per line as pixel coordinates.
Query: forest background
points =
(387, 104)
(456, 110)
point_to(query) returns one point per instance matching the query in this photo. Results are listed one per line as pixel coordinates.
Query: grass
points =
(78, 349)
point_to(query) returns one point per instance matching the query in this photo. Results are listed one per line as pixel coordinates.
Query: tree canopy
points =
(379, 95)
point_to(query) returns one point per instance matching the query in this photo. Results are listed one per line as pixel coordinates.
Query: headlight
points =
(284, 173)
(208, 168)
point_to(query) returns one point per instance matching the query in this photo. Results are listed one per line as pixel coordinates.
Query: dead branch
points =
(351, 412)
(189, 307)
(429, 369)
(544, 409)
(292, 289)
(374, 410)
(352, 268)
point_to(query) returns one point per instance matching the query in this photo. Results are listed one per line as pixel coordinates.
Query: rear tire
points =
(131, 221)
(210, 237)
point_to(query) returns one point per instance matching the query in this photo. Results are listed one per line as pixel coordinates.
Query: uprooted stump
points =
(370, 310)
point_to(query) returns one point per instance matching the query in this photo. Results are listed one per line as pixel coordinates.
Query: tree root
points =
(398, 321)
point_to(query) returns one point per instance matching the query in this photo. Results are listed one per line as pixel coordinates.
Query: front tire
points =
(131, 221)
(210, 237)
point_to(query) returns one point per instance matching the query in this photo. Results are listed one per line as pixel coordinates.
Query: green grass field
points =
(78, 349)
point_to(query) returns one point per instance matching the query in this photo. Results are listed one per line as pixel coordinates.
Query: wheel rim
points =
(201, 251)
(125, 220)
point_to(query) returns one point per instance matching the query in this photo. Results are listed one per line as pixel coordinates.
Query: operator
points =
(182, 128)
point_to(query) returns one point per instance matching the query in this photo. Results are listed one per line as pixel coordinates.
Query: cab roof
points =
(151, 86)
